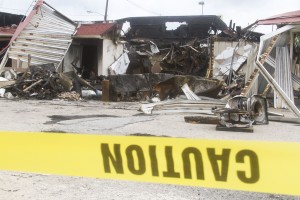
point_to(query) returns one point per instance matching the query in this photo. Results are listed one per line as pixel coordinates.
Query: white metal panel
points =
(46, 38)
(279, 91)
(283, 76)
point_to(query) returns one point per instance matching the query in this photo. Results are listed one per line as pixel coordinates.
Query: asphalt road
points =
(96, 117)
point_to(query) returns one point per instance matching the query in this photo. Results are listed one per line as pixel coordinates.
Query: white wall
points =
(111, 52)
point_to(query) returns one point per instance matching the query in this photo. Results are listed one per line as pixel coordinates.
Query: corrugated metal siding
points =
(46, 38)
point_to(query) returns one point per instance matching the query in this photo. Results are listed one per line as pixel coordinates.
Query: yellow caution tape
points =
(272, 167)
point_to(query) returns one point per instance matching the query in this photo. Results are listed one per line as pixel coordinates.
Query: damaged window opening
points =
(170, 26)
(125, 28)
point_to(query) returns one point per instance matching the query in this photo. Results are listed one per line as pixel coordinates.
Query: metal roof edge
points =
(62, 15)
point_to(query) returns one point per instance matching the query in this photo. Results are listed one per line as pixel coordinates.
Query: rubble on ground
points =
(203, 58)
(42, 82)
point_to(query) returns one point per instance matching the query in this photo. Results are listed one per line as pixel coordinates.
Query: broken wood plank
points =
(202, 119)
(32, 85)
(255, 73)
(6, 84)
(234, 129)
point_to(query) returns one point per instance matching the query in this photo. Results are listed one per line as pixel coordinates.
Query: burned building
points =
(172, 45)
(165, 30)
(94, 48)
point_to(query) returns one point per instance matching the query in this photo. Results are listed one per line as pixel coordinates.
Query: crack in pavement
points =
(55, 119)
(129, 124)
(100, 123)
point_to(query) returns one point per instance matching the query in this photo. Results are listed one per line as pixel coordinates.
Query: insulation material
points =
(283, 76)
(153, 47)
(226, 61)
(2, 92)
(120, 66)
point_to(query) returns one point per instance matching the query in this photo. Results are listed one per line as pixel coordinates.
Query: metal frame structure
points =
(268, 76)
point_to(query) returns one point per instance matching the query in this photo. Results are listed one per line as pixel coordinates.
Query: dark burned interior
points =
(155, 28)
(183, 49)
(7, 19)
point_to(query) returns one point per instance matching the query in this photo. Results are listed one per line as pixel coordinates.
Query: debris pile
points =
(37, 82)
(134, 87)
(241, 112)
(42, 82)
(238, 114)
(172, 87)
(142, 55)
(190, 59)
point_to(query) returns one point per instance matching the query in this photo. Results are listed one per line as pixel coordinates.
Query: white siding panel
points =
(46, 38)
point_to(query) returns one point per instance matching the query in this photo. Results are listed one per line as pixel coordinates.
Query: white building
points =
(96, 47)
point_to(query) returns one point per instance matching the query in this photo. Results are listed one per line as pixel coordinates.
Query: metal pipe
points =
(106, 8)
(202, 4)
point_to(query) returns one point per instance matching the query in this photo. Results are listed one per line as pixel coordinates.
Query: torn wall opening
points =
(83, 57)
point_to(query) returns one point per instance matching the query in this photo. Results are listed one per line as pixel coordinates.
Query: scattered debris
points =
(200, 57)
(172, 87)
(234, 120)
(42, 82)
(73, 96)
(189, 93)
(190, 59)
(202, 119)
(132, 87)
(241, 112)
(182, 106)
(120, 65)
(235, 113)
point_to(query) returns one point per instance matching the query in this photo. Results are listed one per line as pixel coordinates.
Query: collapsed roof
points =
(197, 26)
(42, 38)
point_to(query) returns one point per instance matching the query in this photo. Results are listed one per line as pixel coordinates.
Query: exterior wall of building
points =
(107, 53)
(111, 52)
